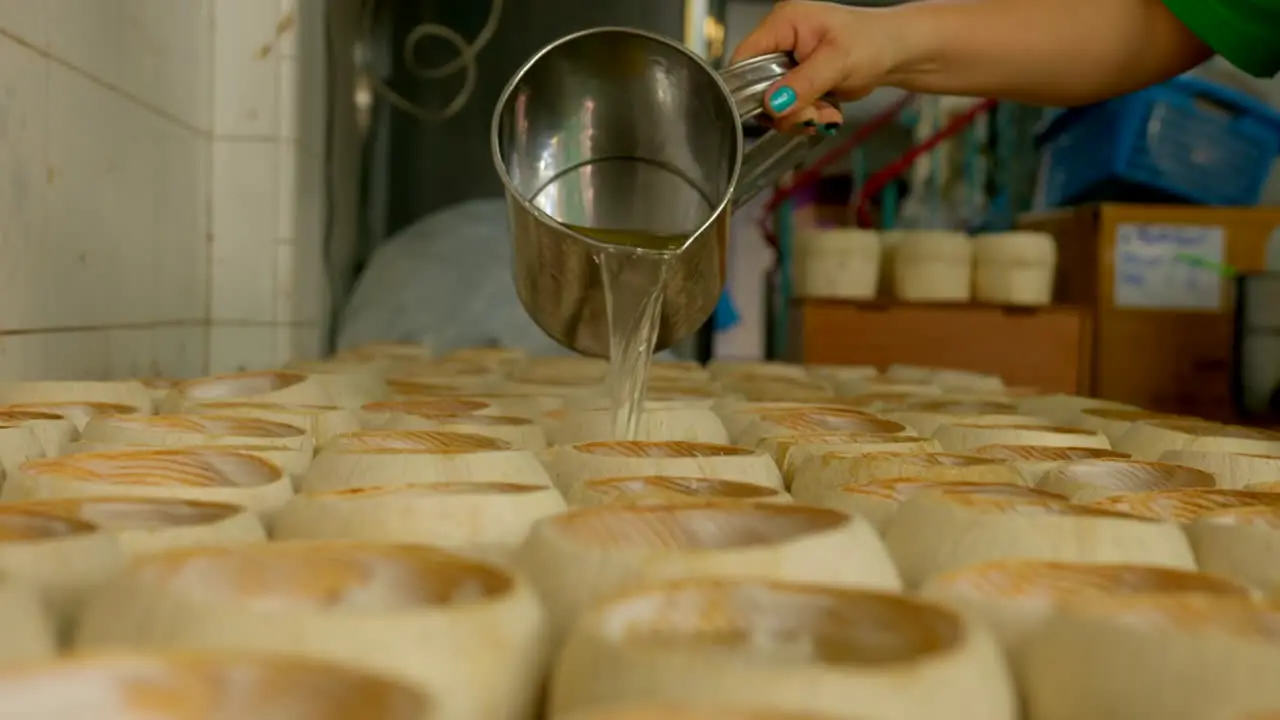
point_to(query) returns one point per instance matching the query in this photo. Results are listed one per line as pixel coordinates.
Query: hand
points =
(841, 50)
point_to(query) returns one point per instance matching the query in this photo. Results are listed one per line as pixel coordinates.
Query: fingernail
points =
(831, 128)
(782, 99)
(810, 124)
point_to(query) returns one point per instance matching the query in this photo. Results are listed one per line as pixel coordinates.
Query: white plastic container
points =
(933, 266)
(1014, 268)
(840, 263)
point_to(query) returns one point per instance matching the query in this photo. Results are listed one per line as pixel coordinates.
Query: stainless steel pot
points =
(622, 130)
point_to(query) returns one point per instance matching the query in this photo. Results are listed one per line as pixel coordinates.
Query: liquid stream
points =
(632, 276)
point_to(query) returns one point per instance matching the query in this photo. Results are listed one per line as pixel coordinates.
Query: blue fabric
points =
(726, 316)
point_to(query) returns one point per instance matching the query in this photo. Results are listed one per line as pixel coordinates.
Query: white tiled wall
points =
(156, 185)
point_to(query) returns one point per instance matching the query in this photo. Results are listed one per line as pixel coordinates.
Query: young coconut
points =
(405, 611)
(578, 558)
(794, 647)
(948, 528)
(572, 464)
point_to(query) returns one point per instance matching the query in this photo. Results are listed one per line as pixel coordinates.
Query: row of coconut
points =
(683, 575)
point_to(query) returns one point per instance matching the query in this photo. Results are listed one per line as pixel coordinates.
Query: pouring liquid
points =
(633, 305)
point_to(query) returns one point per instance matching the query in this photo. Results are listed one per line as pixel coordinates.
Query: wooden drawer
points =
(1045, 348)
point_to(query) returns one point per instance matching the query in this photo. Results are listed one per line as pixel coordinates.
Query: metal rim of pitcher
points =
(496, 150)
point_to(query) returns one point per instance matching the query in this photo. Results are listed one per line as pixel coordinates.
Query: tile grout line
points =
(44, 53)
(153, 325)
(143, 104)
(206, 359)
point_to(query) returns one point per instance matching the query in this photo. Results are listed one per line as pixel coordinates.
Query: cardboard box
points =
(1044, 348)
(1162, 327)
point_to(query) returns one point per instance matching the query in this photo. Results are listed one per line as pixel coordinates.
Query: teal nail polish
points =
(782, 99)
(810, 124)
(831, 128)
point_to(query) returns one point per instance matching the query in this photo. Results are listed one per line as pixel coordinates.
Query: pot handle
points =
(775, 153)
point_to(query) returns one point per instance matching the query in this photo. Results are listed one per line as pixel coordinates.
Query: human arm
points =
(1044, 52)
(1052, 52)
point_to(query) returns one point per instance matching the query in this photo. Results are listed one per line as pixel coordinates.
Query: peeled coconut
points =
(173, 430)
(79, 413)
(1149, 439)
(1033, 461)
(451, 373)
(773, 389)
(658, 396)
(491, 518)
(907, 417)
(947, 528)
(559, 376)
(820, 421)
(877, 501)
(376, 414)
(905, 372)
(278, 388)
(530, 407)
(1230, 470)
(220, 476)
(1174, 657)
(817, 475)
(737, 414)
(376, 367)
(494, 356)
(1086, 481)
(669, 490)
(54, 432)
(1014, 598)
(799, 648)
(908, 390)
(1114, 422)
(120, 392)
(394, 350)
(587, 554)
(186, 686)
(150, 524)
(461, 377)
(375, 458)
(1240, 543)
(466, 377)
(572, 464)
(1184, 505)
(321, 422)
(883, 401)
(29, 632)
(158, 387)
(967, 436)
(521, 433)
(723, 369)
(62, 556)
(18, 444)
(838, 373)
(674, 711)
(686, 423)
(966, 381)
(924, 417)
(789, 452)
(409, 612)
(1064, 409)
(292, 460)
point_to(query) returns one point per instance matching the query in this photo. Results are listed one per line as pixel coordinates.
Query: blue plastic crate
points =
(1186, 140)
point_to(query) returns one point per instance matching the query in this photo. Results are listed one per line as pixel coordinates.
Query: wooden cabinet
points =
(1044, 348)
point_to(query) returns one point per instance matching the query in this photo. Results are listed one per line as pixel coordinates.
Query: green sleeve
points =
(1245, 32)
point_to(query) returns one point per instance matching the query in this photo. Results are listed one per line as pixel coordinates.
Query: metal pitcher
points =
(623, 130)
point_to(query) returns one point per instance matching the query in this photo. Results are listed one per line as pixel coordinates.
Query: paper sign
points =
(1150, 274)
